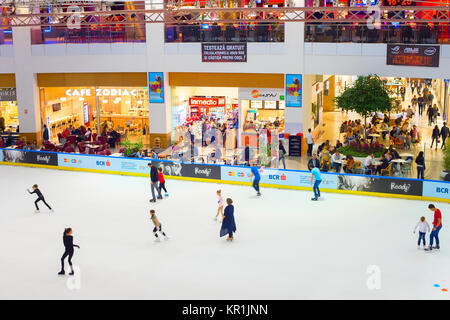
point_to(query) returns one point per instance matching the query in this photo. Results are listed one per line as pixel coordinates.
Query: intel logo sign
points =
(430, 51)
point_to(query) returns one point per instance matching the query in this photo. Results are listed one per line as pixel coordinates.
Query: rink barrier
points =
(392, 187)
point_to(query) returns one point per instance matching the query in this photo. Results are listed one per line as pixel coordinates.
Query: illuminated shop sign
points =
(413, 55)
(261, 94)
(207, 102)
(101, 92)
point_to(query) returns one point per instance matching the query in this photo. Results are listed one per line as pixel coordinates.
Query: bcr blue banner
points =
(436, 189)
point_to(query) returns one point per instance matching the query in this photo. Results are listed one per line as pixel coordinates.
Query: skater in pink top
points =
(220, 203)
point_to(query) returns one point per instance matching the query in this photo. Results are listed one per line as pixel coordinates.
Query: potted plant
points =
(131, 148)
(367, 95)
(446, 165)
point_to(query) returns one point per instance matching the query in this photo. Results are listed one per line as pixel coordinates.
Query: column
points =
(160, 114)
(27, 87)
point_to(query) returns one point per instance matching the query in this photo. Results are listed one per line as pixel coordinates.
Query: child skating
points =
(158, 227)
(424, 227)
(68, 252)
(40, 198)
(162, 182)
(220, 203)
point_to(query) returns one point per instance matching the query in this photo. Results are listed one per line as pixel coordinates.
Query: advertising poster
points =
(156, 87)
(380, 185)
(436, 189)
(224, 52)
(33, 157)
(293, 90)
(412, 55)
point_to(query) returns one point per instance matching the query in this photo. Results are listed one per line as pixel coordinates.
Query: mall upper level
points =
(271, 45)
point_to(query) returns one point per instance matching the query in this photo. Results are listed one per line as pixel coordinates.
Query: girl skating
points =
(162, 182)
(40, 198)
(228, 223)
(220, 203)
(158, 227)
(424, 227)
(68, 245)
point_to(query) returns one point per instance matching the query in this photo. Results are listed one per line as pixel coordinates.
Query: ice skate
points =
(436, 247)
(230, 239)
(258, 194)
(61, 273)
(314, 199)
(160, 197)
(157, 240)
(71, 273)
(428, 249)
(152, 200)
(36, 211)
(166, 195)
(51, 211)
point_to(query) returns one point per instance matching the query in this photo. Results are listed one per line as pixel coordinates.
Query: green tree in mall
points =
(366, 95)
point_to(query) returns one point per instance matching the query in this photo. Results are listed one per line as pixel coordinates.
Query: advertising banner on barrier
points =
(130, 165)
(278, 177)
(436, 189)
(33, 157)
(382, 185)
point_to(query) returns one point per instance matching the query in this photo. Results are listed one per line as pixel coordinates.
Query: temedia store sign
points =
(412, 55)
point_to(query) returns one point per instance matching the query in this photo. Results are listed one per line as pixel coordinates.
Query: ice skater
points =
(424, 227)
(162, 182)
(220, 203)
(40, 198)
(68, 245)
(437, 225)
(154, 182)
(158, 227)
(228, 223)
(257, 178)
(315, 175)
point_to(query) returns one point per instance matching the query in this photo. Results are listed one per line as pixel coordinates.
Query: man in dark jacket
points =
(154, 182)
(313, 162)
(444, 134)
(46, 135)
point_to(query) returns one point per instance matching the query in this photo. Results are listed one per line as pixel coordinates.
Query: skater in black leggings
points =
(40, 198)
(68, 244)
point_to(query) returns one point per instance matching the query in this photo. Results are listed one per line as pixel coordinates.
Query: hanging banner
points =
(412, 55)
(293, 90)
(156, 87)
(224, 52)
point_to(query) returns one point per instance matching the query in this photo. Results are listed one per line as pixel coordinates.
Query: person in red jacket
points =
(162, 182)
(437, 225)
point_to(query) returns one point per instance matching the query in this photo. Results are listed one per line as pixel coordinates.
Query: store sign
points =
(156, 87)
(207, 102)
(8, 94)
(33, 157)
(413, 55)
(261, 94)
(224, 52)
(101, 92)
(293, 90)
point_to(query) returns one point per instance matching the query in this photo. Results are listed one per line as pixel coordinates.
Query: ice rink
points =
(286, 246)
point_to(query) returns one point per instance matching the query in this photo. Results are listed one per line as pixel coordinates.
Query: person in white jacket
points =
(424, 227)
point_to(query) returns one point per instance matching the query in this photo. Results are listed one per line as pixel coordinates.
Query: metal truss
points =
(180, 15)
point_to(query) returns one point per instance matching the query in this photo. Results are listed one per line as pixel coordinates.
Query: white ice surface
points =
(286, 246)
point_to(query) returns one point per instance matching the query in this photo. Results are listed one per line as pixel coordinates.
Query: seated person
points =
(113, 136)
(368, 162)
(9, 140)
(324, 165)
(153, 154)
(384, 129)
(66, 133)
(349, 164)
(313, 162)
(394, 153)
(338, 144)
(384, 164)
(334, 161)
(325, 155)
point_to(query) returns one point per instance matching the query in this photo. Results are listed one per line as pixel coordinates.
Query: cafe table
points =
(398, 162)
(405, 154)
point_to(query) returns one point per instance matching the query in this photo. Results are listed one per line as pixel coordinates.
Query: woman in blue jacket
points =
(228, 224)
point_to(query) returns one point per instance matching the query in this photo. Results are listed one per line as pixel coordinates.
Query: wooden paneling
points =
(7, 80)
(239, 80)
(113, 79)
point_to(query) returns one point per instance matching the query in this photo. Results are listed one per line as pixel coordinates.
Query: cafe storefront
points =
(8, 109)
(99, 107)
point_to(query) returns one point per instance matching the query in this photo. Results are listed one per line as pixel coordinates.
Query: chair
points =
(60, 137)
(72, 140)
(81, 147)
(94, 137)
(107, 152)
(91, 150)
(388, 169)
(102, 139)
(122, 150)
(364, 170)
(406, 168)
(69, 149)
(398, 142)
